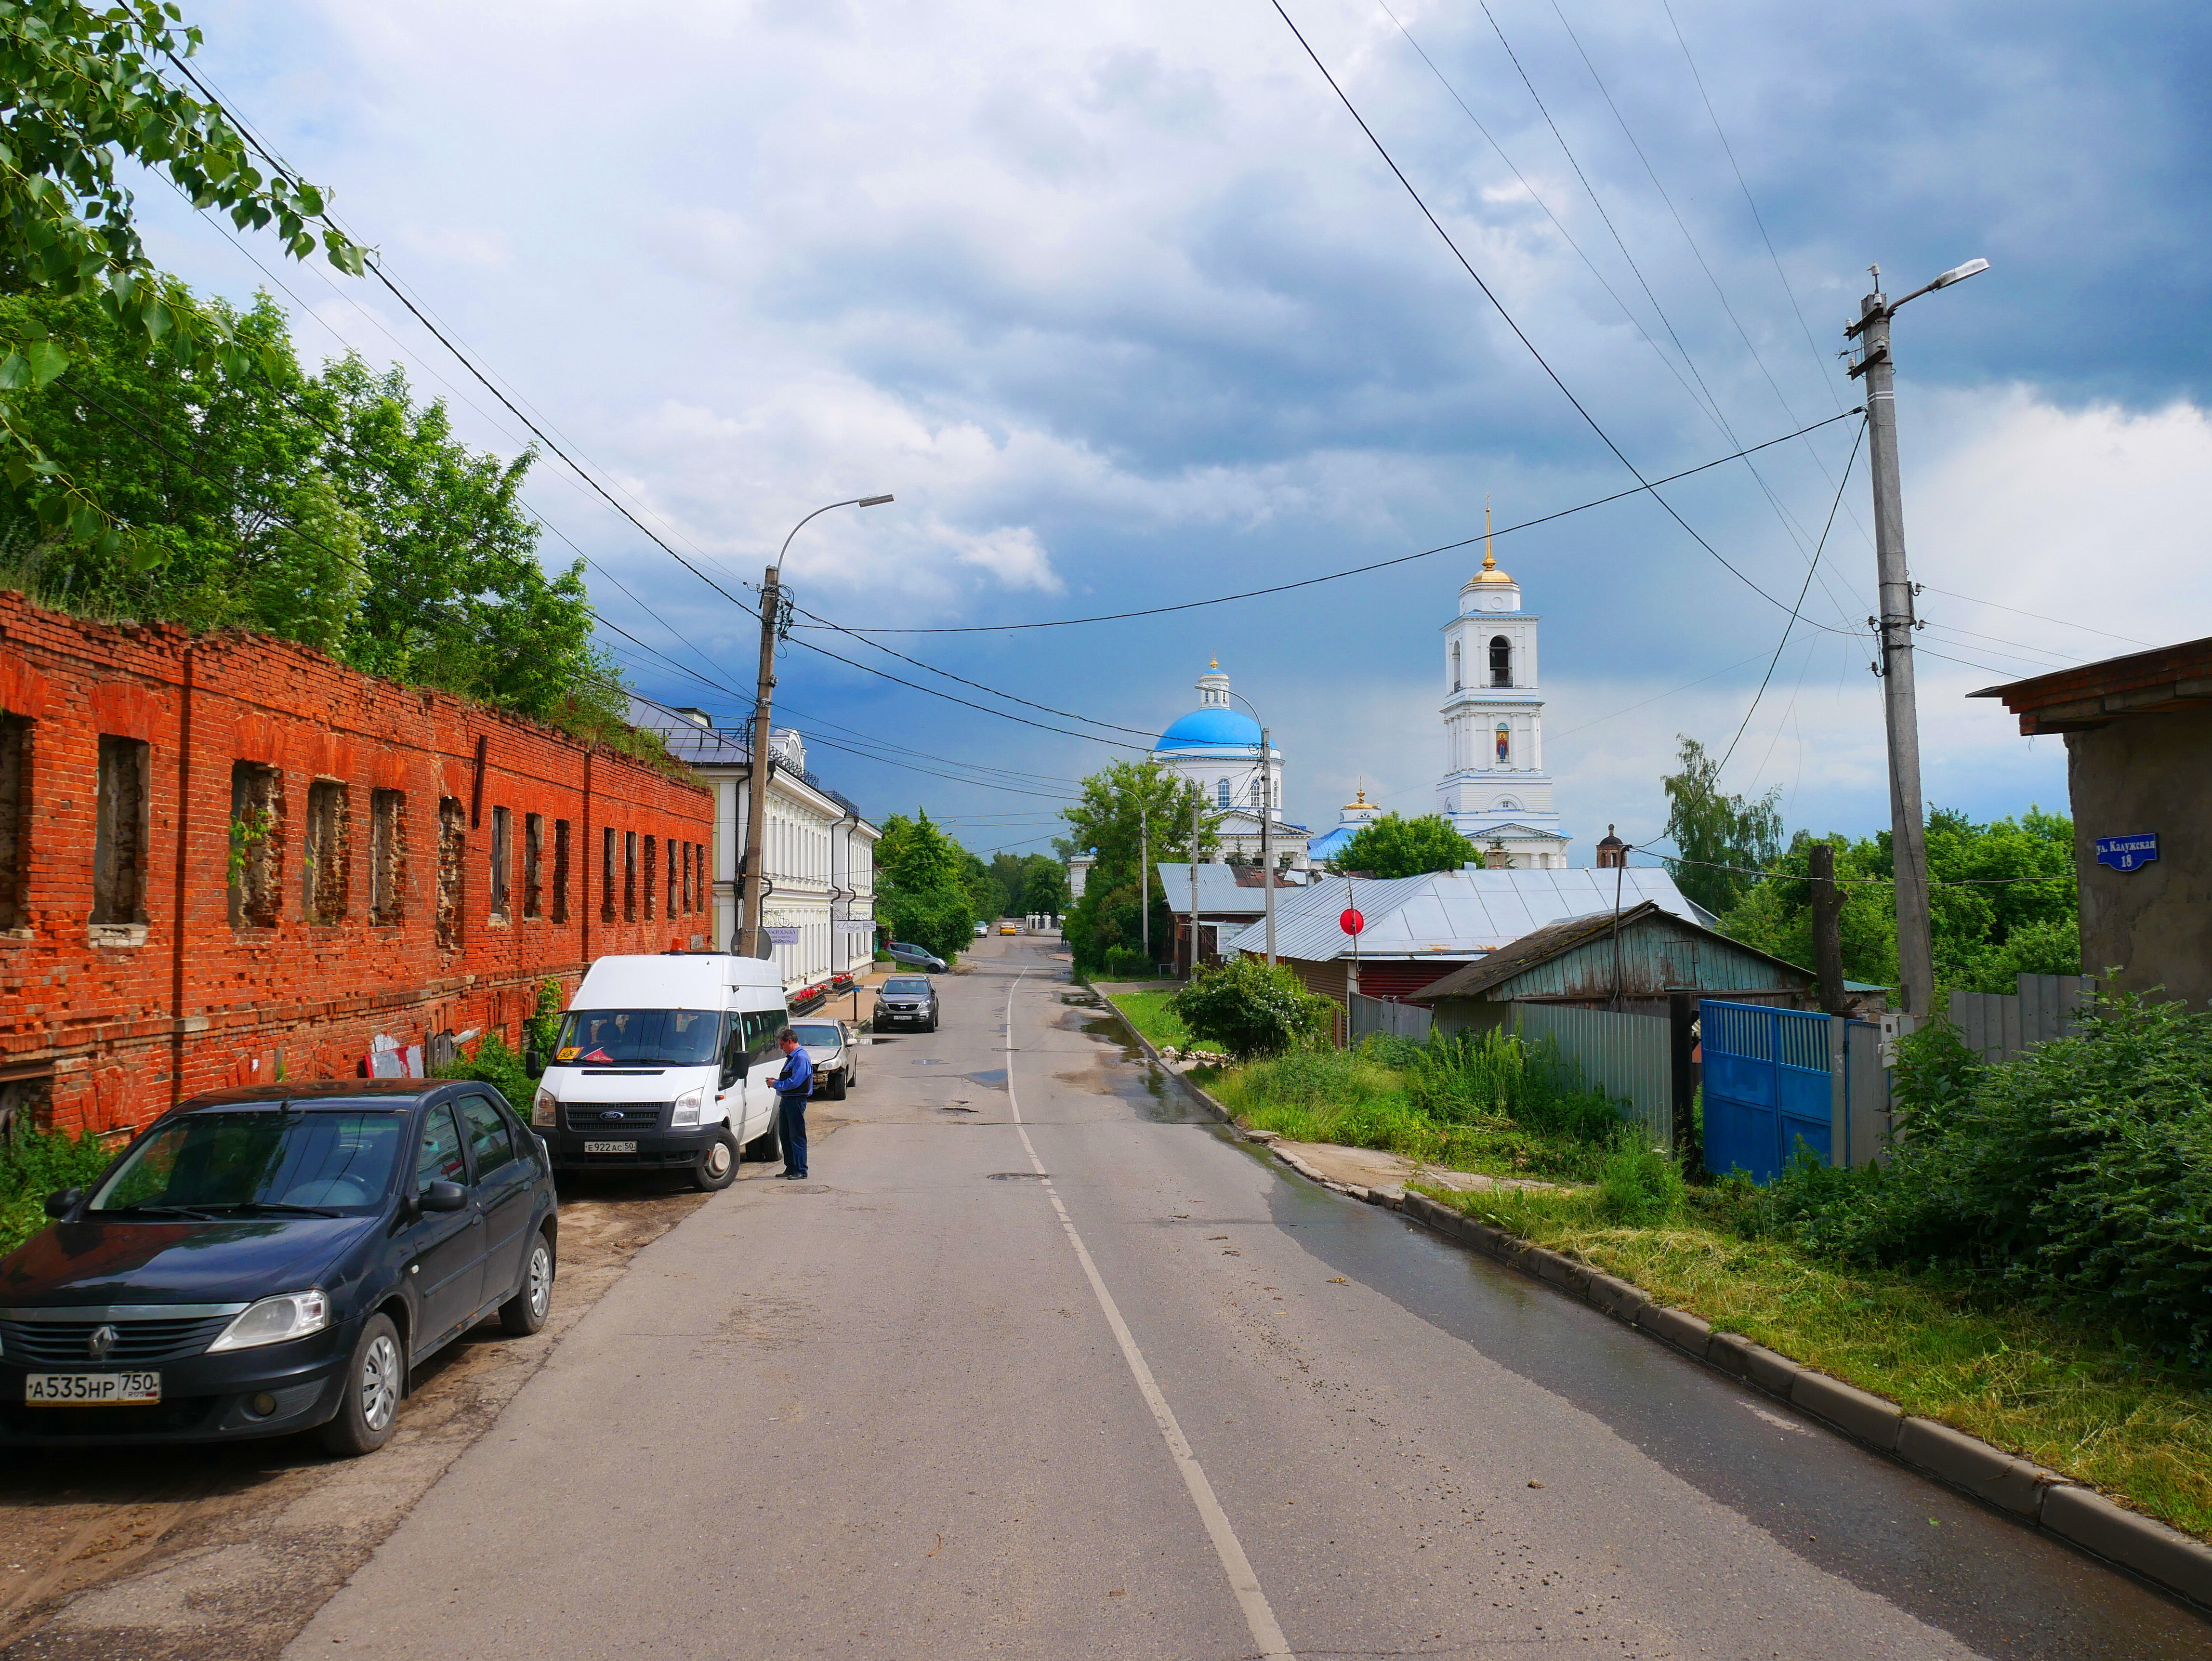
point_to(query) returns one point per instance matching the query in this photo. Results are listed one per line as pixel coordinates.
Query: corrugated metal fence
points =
(1999, 1026)
(1370, 1016)
(1627, 1056)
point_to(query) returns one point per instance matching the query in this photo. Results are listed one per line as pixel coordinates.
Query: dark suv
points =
(906, 1001)
(272, 1260)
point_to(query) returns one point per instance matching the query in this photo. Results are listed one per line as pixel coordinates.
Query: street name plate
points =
(2128, 853)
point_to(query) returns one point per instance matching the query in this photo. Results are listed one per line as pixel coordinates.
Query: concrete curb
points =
(2082, 1517)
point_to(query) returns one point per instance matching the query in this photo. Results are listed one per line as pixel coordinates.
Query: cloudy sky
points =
(1127, 310)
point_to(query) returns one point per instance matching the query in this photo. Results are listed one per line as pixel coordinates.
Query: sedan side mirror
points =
(61, 1204)
(445, 1196)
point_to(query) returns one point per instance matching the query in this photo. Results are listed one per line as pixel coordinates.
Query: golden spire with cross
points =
(1489, 573)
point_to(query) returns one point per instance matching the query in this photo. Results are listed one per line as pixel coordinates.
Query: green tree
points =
(1252, 1011)
(1395, 847)
(1105, 822)
(921, 886)
(86, 85)
(1721, 838)
(331, 509)
(1044, 885)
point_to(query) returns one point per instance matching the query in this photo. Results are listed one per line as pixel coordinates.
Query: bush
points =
(1127, 962)
(1252, 1011)
(2079, 1174)
(494, 1063)
(36, 1163)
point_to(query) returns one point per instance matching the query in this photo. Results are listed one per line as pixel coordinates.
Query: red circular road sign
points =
(1351, 922)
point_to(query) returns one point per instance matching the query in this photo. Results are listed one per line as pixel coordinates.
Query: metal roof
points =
(1655, 952)
(1447, 914)
(1219, 893)
(716, 746)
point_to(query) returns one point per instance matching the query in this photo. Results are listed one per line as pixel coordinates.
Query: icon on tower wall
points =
(1504, 743)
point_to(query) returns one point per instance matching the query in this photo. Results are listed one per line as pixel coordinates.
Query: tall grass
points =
(1488, 1104)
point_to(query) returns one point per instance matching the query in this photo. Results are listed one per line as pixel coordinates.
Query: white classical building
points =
(1217, 747)
(1495, 789)
(819, 851)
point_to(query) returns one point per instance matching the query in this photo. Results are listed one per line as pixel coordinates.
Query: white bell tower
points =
(1495, 788)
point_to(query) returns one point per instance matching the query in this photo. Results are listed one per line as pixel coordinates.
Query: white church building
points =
(1217, 747)
(1496, 790)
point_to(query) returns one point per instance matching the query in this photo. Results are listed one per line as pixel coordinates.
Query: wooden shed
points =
(1635, 961)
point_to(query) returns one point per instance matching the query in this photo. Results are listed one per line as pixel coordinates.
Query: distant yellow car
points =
(1008, 929)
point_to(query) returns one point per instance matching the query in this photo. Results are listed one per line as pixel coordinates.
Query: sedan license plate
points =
(78, 1390)
(610, 1147)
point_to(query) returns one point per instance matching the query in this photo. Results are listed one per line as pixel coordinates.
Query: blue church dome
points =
(1212, 729)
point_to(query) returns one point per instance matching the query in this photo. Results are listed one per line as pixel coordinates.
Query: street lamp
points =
(1267, 827)
(752, 878)
(1916, 955)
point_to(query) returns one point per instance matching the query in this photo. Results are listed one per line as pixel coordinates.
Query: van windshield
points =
(639, 1037)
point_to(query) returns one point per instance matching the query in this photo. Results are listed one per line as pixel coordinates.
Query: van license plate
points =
(610, 1147)
(75, 1390)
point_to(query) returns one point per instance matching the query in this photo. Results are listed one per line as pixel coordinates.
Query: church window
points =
(1456, 674)
(1255, 793)
(1501, 660)
(1504, 743)
(1221, 792)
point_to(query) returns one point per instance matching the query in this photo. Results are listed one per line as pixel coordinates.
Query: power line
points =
(1499, 308)
(1802, 593)
(1362, 570)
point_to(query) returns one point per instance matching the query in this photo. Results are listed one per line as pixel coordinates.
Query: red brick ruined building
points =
(226, 859)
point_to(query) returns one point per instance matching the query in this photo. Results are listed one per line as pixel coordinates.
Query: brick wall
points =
(153, 944)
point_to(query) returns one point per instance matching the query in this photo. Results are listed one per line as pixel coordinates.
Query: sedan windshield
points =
(640, 1037)
(219, 1163)
(817, 1035)
(907, 986)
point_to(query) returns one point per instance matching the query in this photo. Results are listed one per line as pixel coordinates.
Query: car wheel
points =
(932, 1027)
(375, 1379)
(768, 1144)
(834, 1092)
(525, 1312)
(716, 1167)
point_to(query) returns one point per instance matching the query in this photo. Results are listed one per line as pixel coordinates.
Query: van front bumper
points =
(654, 1150)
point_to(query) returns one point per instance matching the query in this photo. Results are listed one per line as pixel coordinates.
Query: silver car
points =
(906, 1001)
(829, 1046)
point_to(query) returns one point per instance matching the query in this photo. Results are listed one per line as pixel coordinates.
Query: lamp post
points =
(1267, 824)
(751, 878)
(1916, 955)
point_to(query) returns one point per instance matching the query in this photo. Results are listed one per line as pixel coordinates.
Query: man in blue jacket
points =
(793, 1087)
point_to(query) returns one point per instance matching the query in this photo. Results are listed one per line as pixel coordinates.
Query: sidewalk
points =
(1376, 1171)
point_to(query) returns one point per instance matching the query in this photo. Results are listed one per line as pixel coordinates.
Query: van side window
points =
(761, 1027)
(733, 1052)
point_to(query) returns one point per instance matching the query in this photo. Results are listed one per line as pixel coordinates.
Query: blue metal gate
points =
(1766, 1086)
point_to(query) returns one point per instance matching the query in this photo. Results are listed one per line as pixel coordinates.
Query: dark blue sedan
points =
(273, 1260)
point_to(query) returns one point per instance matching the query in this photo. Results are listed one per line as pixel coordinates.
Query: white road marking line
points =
(1258, 1615)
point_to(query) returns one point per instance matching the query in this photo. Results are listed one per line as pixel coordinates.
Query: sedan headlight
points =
(273, 1320)
(686, 1116)
(543, 1108)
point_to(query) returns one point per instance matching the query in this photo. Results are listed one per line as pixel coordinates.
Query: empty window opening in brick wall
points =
(671, 876)
(629, 876)
(502, 856)
(560, 870)
(327, 853)
(533, 864)
(387, 858)
(452, 851)
(651, 845)
(607, 875)
(687, 878)
(118, 841)
(15, 802)
(705, 884)
(257, 845)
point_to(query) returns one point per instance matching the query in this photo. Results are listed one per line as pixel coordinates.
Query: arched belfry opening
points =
(1501, 660)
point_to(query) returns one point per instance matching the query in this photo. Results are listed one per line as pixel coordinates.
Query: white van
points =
(665, 1062)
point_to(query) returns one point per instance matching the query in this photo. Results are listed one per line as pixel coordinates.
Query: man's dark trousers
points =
(791, 1123)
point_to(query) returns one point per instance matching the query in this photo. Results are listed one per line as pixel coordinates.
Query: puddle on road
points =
(1016, 1177)
(995, 1079)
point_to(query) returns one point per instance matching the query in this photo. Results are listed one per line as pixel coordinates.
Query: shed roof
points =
(1446, 914)
(1558, 939)
(1224, 889)
(2091, 695)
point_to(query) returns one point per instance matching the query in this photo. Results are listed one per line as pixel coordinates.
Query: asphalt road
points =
(1063, 1370)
